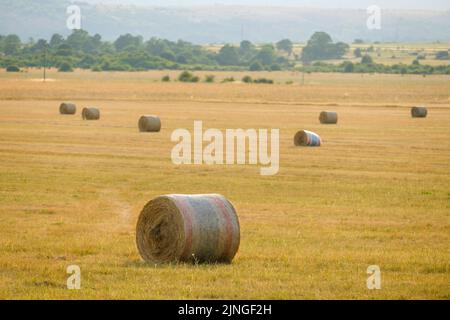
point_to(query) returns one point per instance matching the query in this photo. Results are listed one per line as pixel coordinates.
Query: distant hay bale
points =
(188, 228)
(149, 124)
(67, 108)
(328, 117)
(90, 114)
(307, 138)
(419, 112)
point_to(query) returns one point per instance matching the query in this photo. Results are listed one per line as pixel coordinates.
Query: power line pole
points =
(45, 63)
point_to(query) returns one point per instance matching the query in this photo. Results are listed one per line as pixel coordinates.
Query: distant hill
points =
(219, 23)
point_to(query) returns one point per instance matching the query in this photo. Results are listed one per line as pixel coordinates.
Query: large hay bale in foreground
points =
(149, 124)
(328, 117)
(307, 138)
(188, 228)
(419, 112)
(90, 114)
(67, 108)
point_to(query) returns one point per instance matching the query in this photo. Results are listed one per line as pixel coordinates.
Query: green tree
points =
(349, 67)
(228, 56)
(256, 66)
(321, 47)
(77, 39)
(357, 52)
(266, 55)
(56, 41)
(11, 44)
(366, 59)
(65, 67)
(246, 47)
(128, 40)
(285, 45)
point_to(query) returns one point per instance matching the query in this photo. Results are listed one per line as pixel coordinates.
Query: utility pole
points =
(45, 63)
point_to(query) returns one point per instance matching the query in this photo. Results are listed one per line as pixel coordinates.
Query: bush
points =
(165, 79)
(13, 69)
(210, 78)
(65, 67)
(187, 76)
(256, 66)
(349, 67)
(263, 80)
(230, 79)
(366, 59)
(275, 67)
(247, 79)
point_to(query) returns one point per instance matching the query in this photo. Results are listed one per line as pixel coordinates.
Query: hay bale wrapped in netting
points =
(328, 117)
(188, 228)
(90, 114)
(419, 112)
(67, 108)
(149, 124)
(307, 138)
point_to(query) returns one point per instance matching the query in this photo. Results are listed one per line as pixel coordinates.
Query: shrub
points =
(230, 79)
(210, 78)
(165, 79)
(366, 59)
(349, 67)
(187, 76)
(275, 67)
(263, 80)
(256, 66)
(247, 79)
(13, 69)
(65, 67)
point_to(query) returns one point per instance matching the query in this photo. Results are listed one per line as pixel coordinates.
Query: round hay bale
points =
(90, 114)
(149, 124)
(307, 138)
(67, 108)
(419, 112)
(328, 117)
(188, 228)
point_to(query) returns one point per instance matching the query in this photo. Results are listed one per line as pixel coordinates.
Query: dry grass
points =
(377, 192)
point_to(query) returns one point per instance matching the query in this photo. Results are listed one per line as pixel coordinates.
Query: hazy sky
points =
(356, 4)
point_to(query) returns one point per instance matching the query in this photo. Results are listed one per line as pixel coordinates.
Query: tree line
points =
(132, 53)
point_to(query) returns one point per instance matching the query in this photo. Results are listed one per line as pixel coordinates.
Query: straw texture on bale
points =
(327, 117)
(419, 112)
(188, 228)
(149, 124)
(67, 108)
(90, 114)
(307, 138)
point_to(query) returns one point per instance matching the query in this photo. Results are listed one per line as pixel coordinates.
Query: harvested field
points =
(376, 193)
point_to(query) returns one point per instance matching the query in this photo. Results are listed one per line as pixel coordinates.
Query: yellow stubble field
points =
(376, 193)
